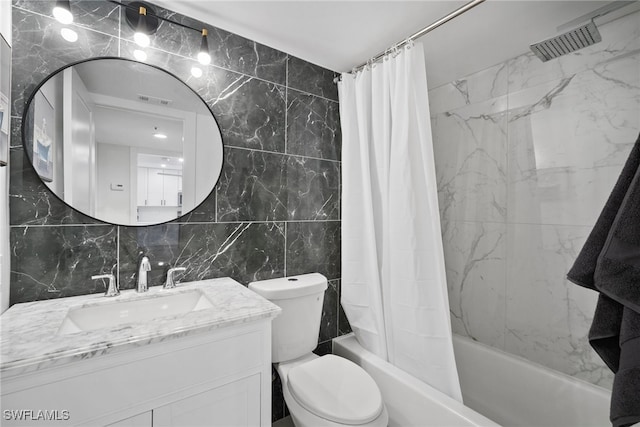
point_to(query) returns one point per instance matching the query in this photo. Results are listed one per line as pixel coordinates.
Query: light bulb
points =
(69, 35)
(196, 72)
(141, 39)
(204, 58)
(62, 12)
(140, 55)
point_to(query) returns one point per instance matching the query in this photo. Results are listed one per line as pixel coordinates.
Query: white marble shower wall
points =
(526, 156)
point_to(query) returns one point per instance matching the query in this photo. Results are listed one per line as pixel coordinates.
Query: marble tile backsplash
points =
(275, 210)
(526, 155)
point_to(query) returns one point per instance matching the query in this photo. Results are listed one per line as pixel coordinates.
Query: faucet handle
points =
(170, 281)
(112, 289)
(145, 265)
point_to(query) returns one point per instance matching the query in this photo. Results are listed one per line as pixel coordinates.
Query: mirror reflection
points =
(123, 142)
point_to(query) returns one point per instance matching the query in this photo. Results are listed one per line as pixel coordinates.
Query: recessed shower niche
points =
(122, 141)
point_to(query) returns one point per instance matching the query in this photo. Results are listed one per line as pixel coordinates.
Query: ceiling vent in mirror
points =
(154, 100)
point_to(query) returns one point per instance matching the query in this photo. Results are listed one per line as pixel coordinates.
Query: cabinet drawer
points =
(232, 405)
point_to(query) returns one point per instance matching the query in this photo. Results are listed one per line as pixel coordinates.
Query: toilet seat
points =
(336, 389)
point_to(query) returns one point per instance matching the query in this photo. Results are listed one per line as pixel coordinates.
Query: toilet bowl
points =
(331, 391)
(327, 391)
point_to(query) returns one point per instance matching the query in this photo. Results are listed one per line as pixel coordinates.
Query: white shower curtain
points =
(394, 290)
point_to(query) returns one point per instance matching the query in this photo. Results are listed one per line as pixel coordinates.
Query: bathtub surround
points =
(275, 210)
(395, 289)
(526, 155)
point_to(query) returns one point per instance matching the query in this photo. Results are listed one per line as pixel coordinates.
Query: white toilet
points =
(319, 391)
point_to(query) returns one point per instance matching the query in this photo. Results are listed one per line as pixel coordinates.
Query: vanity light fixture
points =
(69, 35)
(203, 56)
(142, 18)
(62, 12)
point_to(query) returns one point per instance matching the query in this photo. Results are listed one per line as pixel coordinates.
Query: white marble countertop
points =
(30, 339)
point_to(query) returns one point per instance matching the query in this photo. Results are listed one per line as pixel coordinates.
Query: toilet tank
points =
(294, 332)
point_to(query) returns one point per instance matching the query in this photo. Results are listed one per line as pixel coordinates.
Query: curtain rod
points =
(422, 32)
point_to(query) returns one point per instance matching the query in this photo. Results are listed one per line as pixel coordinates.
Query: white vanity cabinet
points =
(212, 378)
(210, 368)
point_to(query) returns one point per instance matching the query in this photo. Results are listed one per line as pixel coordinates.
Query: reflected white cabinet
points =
(159, 187)
(142, 186)
(215, 378)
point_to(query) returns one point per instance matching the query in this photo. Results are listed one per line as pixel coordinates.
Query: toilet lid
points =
(336, 389)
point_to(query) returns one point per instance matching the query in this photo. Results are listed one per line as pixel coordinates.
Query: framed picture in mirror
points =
(43, 136)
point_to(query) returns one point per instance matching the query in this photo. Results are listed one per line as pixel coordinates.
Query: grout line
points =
(285, 249)
(118, 255)
(286, 105)
(61, 225)
(506, 254)
(179, 223)
(119, 32)
(544, 224)
(317, 96)
(282, 154)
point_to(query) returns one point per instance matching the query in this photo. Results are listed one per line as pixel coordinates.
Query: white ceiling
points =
(342, 34)
(136, 129)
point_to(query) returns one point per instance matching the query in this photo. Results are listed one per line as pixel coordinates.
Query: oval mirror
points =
(122, 141)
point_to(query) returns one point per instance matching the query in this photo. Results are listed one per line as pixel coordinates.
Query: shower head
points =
(568, 42)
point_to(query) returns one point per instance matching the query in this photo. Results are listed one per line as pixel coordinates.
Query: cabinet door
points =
(171, 188)
(142, 186)
(155, 187)
(140, 420)
(232, 405)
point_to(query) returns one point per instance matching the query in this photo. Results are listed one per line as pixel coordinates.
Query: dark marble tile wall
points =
(275, 210)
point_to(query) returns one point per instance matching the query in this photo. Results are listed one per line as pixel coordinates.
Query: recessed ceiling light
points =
(181, 160)
(160, 135)
(163, 165)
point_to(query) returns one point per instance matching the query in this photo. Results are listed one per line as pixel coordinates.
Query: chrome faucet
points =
(170, 283)
(141, 279)
(112, 289)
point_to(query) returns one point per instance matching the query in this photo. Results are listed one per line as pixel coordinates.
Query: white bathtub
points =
(507, 389)
(516, 392)
(410, 402)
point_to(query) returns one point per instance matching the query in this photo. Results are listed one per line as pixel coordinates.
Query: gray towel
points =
(609, 263)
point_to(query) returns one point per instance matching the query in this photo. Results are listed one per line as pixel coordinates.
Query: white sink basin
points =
(113, 313)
